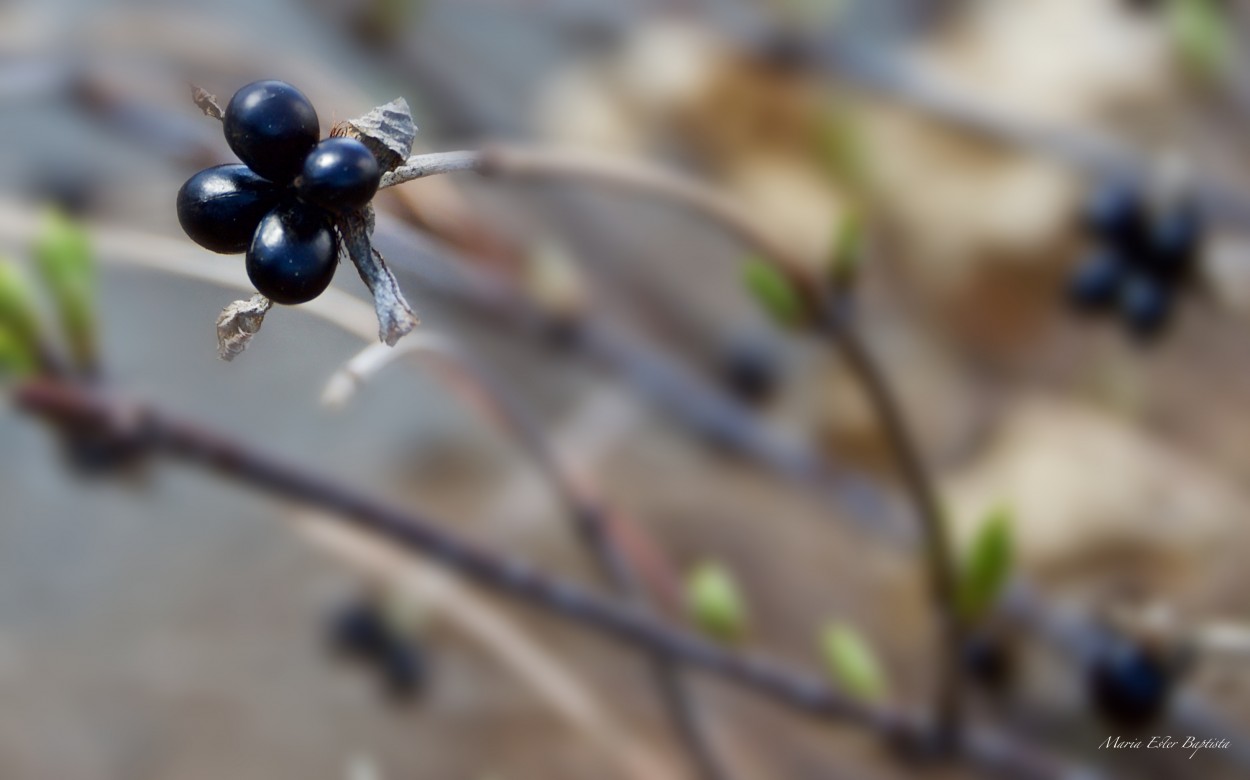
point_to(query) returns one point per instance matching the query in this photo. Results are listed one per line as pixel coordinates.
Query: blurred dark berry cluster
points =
(1143, 259)
(360, 631)
(279, 205)
(749, 369)
(989, 658)
(1130, 682)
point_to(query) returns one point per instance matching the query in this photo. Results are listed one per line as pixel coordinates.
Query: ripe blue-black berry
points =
(293, 255)
(1146, 305)
(340, 174)
(360, 632)
(1117, 214)
(357, 630)
(750, 371)
(1097, 281)
(1129, 685)
(1175, 241)
(403, 669)
(272, 127)
(220, 207)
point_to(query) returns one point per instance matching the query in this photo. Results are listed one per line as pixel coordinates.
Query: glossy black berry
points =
(1175, 241)
(340, 174)
(1128, 684)
(220, 207)
(272, 127)
(358, 631)
(1146, 305)
(402, 669)
(1117, 214)
(1096, 283)
(293, 255)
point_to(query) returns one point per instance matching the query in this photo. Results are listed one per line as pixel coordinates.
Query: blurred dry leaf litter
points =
(985, 224)
(752, 126)
(1087, 490)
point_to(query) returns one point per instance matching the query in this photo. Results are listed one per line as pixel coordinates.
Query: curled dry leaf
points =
(387, 130)
(206, 101)
(238, 323)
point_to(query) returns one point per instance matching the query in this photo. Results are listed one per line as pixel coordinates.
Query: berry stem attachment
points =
(395, 317)
(627, 175)
(837, 325)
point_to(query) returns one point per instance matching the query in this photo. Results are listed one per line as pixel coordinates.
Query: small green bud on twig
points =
(1202, 33)
(18, 314)
(987, 565)
(841, 149)
(715, 603)
(63, 257)
(848, 253)
(554, 281)
(17, 360)
(852, 662)
(775, 293)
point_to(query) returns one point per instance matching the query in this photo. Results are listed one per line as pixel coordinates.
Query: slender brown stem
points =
(586, 515)
(624, 174)
(79, 409)
(837, 325)
(831, 320)
(675, 689)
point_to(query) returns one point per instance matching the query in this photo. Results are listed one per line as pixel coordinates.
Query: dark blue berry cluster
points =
(279, 205)
(989, 658)
(1129, 682)
(360, 632)
(749, 370)
(1143, 258)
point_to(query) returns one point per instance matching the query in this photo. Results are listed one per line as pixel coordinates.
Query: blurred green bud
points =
(554, 280)
(812, 13)
(987, 566)
(775, 293)
(840, 150)
(714, 602)
(852, 663)
(63, 257)
(17, 359)
(848, 252)
(1202, 31)
(19, 315)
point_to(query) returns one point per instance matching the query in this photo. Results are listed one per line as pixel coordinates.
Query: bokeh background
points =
(175, 627)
